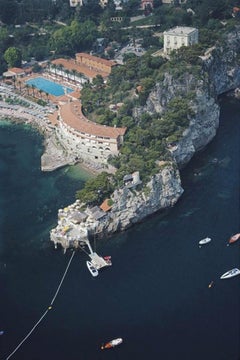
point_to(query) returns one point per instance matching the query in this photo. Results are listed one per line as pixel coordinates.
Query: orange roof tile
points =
(104, 206)
(97, 59)
(72, 115)
(81, 68)
(53, 118)
(16, 70)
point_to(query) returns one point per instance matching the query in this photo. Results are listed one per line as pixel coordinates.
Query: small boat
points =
(112, 343)
(1, 332)
(230, 273)
(108, 260)
(234, 238)
(205, 241)
(107, 257)
(211, 284)
(92, 269)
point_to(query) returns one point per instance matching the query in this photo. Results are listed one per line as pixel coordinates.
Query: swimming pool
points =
(48, 86)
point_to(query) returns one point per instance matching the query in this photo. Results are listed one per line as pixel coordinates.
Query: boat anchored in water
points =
(205, 241)
(92, 269)
(230, 273)
(112, 343)
(234, 238)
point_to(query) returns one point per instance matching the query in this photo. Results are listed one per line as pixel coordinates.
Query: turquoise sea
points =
(155, 296)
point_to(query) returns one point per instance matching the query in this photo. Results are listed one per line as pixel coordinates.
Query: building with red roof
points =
(87, 139)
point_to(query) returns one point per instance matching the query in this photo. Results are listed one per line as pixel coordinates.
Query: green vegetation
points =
(97, 189)
(48, 29)
(13, 57)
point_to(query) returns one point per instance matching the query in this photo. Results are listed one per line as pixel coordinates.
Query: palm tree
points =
(19, 83)
(67, 72)
(27, 87)
(14, 81)
(54, 66)
(33, 87)
(40, 92)
(74, 72)
(48, 65)
(60, 66)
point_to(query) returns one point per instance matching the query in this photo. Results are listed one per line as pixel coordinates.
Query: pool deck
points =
(54, 99)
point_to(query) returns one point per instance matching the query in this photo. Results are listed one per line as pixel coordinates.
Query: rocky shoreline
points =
(220, 73)
(54, 155)
(77, 223)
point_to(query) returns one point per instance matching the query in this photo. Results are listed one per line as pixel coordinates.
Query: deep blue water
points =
(155, 296)
(49, 86)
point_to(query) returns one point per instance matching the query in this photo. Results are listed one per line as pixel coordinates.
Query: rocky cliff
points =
(130, 206)
(218, 73)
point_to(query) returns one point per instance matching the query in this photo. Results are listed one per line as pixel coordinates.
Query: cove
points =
(155, 296)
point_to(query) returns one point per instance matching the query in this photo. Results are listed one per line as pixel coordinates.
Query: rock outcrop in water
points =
(220, 73)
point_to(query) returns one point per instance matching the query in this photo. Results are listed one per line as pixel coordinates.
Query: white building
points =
(178, 37)
(74, 3)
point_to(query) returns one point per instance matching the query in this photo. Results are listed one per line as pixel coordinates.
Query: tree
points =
(98, 81)
(3, 39)
(13, 57)
(27, 87)
(8, 11)
(96, 190)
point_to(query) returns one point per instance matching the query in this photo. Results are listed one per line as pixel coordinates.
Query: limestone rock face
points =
(220, 73)
(203, 125)
(201, 131)
(131, 206)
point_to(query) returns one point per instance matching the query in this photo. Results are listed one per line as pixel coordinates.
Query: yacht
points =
(92, 269)
(234, 238)
(230, 273)
(112, 343)
(205, 241)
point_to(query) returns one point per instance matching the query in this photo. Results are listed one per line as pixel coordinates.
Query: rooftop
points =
(72, 115)
(180, 30)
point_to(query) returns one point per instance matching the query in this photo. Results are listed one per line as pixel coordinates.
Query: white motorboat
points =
(92, 269)
(205, 241)
(112, 343)
(230, 273)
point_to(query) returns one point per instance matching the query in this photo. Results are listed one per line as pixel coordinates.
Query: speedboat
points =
(234, 238)
(112, 343)
(205, 241)
(230, 273)
(108, 260)
(92, 269)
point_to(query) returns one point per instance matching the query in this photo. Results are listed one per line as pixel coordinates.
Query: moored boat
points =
(205, 241)
(230, 273)
(112, 343)
(108, 260)
(92, 269)
(234, 238)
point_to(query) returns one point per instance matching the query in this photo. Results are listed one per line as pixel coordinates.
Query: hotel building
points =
(85, 139)
(178, 37)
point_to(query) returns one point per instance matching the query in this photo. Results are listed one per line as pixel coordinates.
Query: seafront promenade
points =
(28, 112)
(57, 153)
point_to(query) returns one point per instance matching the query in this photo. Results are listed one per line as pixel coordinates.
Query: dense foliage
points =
(96, 190)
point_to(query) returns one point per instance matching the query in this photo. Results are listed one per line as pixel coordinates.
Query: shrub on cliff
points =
(96, 190)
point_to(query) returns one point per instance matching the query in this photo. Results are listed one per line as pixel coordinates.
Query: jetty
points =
(74, 229)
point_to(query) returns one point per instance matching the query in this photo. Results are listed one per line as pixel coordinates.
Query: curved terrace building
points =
(87, 140)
